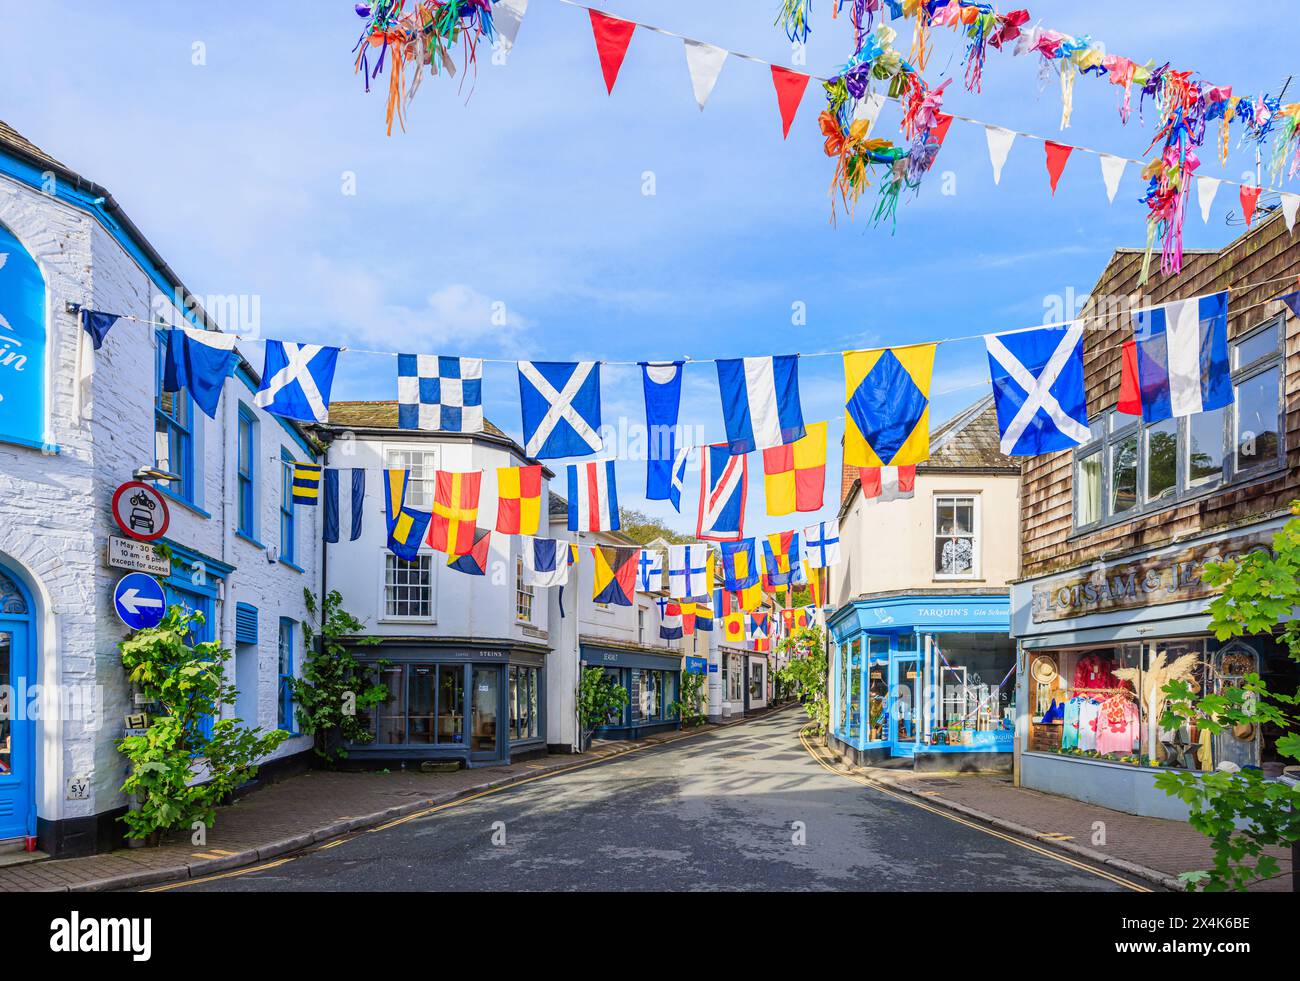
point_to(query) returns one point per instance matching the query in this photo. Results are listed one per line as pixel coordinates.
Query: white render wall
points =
(55, 508)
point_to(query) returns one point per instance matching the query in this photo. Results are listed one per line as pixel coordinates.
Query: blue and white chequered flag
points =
(440, 393)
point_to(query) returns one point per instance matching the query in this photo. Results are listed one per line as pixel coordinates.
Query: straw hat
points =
(1043, 670)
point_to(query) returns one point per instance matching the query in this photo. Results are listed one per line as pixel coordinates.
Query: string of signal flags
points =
(405, 42)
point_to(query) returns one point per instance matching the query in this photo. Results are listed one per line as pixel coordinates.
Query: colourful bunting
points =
(790, 86)
(612, 38)
(1057, 155)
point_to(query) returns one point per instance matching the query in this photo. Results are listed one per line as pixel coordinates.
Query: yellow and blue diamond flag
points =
(887, 406)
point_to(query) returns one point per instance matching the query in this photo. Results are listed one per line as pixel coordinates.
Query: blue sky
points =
(525, 188)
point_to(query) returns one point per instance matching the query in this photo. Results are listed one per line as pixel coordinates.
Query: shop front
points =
(652, 680)
(756, 678)
(473, 705)
(925, 678)
(1099, 645)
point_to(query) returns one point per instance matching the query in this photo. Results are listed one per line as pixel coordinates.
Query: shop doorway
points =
(905, 713)
(17, 731)
(485, 710)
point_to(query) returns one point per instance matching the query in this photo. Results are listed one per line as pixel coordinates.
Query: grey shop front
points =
(652, 679)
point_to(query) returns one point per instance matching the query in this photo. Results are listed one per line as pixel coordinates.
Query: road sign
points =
(141, 511)
(139, 601)
(133, 556)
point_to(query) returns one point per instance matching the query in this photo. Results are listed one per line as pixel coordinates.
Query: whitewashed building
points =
(241, 552)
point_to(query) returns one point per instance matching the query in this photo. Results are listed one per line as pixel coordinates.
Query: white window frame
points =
(522, 591)
(422, 481)
(977, 535)
(384, 615)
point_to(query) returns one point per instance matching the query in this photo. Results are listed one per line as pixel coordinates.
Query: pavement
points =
(741, 808)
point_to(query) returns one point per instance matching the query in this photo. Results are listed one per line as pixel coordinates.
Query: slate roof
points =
(16, 141)
(380, 415)
(969, 440)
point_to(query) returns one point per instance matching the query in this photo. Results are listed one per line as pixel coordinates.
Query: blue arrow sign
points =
(139, 601)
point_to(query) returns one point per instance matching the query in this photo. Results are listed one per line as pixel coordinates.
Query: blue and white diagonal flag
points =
(440, 393)
(679, 478)
(688, 567)
(650, 570)
(561, 408)
(1038, 389)
(296, 380)
(760, 402)
(345, 499)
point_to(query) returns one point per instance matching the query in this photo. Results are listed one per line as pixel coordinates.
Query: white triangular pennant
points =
(704, 62)
(1112, 169)
(869, 107)
(1206, 189)
(1000, 141)
(1290, 202)
(507, 15)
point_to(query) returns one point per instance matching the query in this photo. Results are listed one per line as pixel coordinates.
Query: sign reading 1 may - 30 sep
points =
(139, 601)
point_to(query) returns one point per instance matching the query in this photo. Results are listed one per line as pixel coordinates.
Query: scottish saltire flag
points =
(344, 505)
(781, 557)
(545, 562)
(882, 484)
(760, 401)
(199, 361)
(519, 500)
(670, 619)
(306, 483)
(678, 483)
(560, 401)
(614, 577)
(455, 511)
(593, 497)
(662, 384)
(435, 392)
(406, 526)
(473, 562)
(296, 380)
(724, 482)
(1038, 389)
(887, 406)
(688, 567)
(739, 564)
(650, 570)
(822, 541)
(1182, 358)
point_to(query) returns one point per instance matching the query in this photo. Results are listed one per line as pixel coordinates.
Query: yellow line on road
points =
(944, 813)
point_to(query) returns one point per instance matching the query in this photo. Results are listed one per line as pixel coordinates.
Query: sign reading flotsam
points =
(1168, 578)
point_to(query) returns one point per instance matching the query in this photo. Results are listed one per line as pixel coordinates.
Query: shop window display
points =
(973, 690)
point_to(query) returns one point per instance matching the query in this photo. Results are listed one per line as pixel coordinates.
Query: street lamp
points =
(155, 473)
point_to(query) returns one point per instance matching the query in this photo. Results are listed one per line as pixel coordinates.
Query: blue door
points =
(194, 602)
(905, 704)
(17, 731)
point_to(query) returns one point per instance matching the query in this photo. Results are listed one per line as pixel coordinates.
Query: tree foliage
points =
(643, 529)
(599, 697)
(805, 673)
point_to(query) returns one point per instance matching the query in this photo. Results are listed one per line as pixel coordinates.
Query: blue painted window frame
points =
(288, 509)
(285, 649)
(246, 471)
(178, 424)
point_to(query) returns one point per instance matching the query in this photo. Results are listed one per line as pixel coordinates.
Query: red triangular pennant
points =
(1057, 154)
(612, 38)
(1249, 200)
(1130, 394)
(790, 87)
(939, 131)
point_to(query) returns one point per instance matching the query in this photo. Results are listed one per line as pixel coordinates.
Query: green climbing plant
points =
(185, 738)
(599, 697)
(1240, 811)
(805, 674)
(689, 706)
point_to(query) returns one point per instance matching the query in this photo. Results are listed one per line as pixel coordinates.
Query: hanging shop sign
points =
(696, 665)
(133, 556)
(1169, 578)
(141, 511)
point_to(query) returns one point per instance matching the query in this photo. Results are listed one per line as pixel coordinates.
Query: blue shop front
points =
(925, 678)
(652, 679)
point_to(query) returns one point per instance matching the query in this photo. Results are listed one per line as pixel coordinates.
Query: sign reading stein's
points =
(1173, 577)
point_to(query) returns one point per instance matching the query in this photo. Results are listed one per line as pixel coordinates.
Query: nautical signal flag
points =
(1179, 362)
(661, 382)
(780, 558)
(519, 500)
(882, 484)
(887, 406)
(406, 526)
(614, 580)
(822, 541)
(306, 483)
(455, 509)
(670, 619)
(438, 392)
(793, 620)
(688, 618)
(756, 626)
(545, 563)
(296, 380)
(724, 483)
(703, 618)
(560, 404)
(739, 564)
(794, 475)
(198, 361)
(1038, 389)
(760, 401)
(817, 580)
(344, 510)
(650, 570)
(593, 497)
(688, 567)
(474, 561)
(733, 628)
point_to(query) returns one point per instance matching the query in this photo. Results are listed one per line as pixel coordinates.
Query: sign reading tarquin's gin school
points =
(1173, 577)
